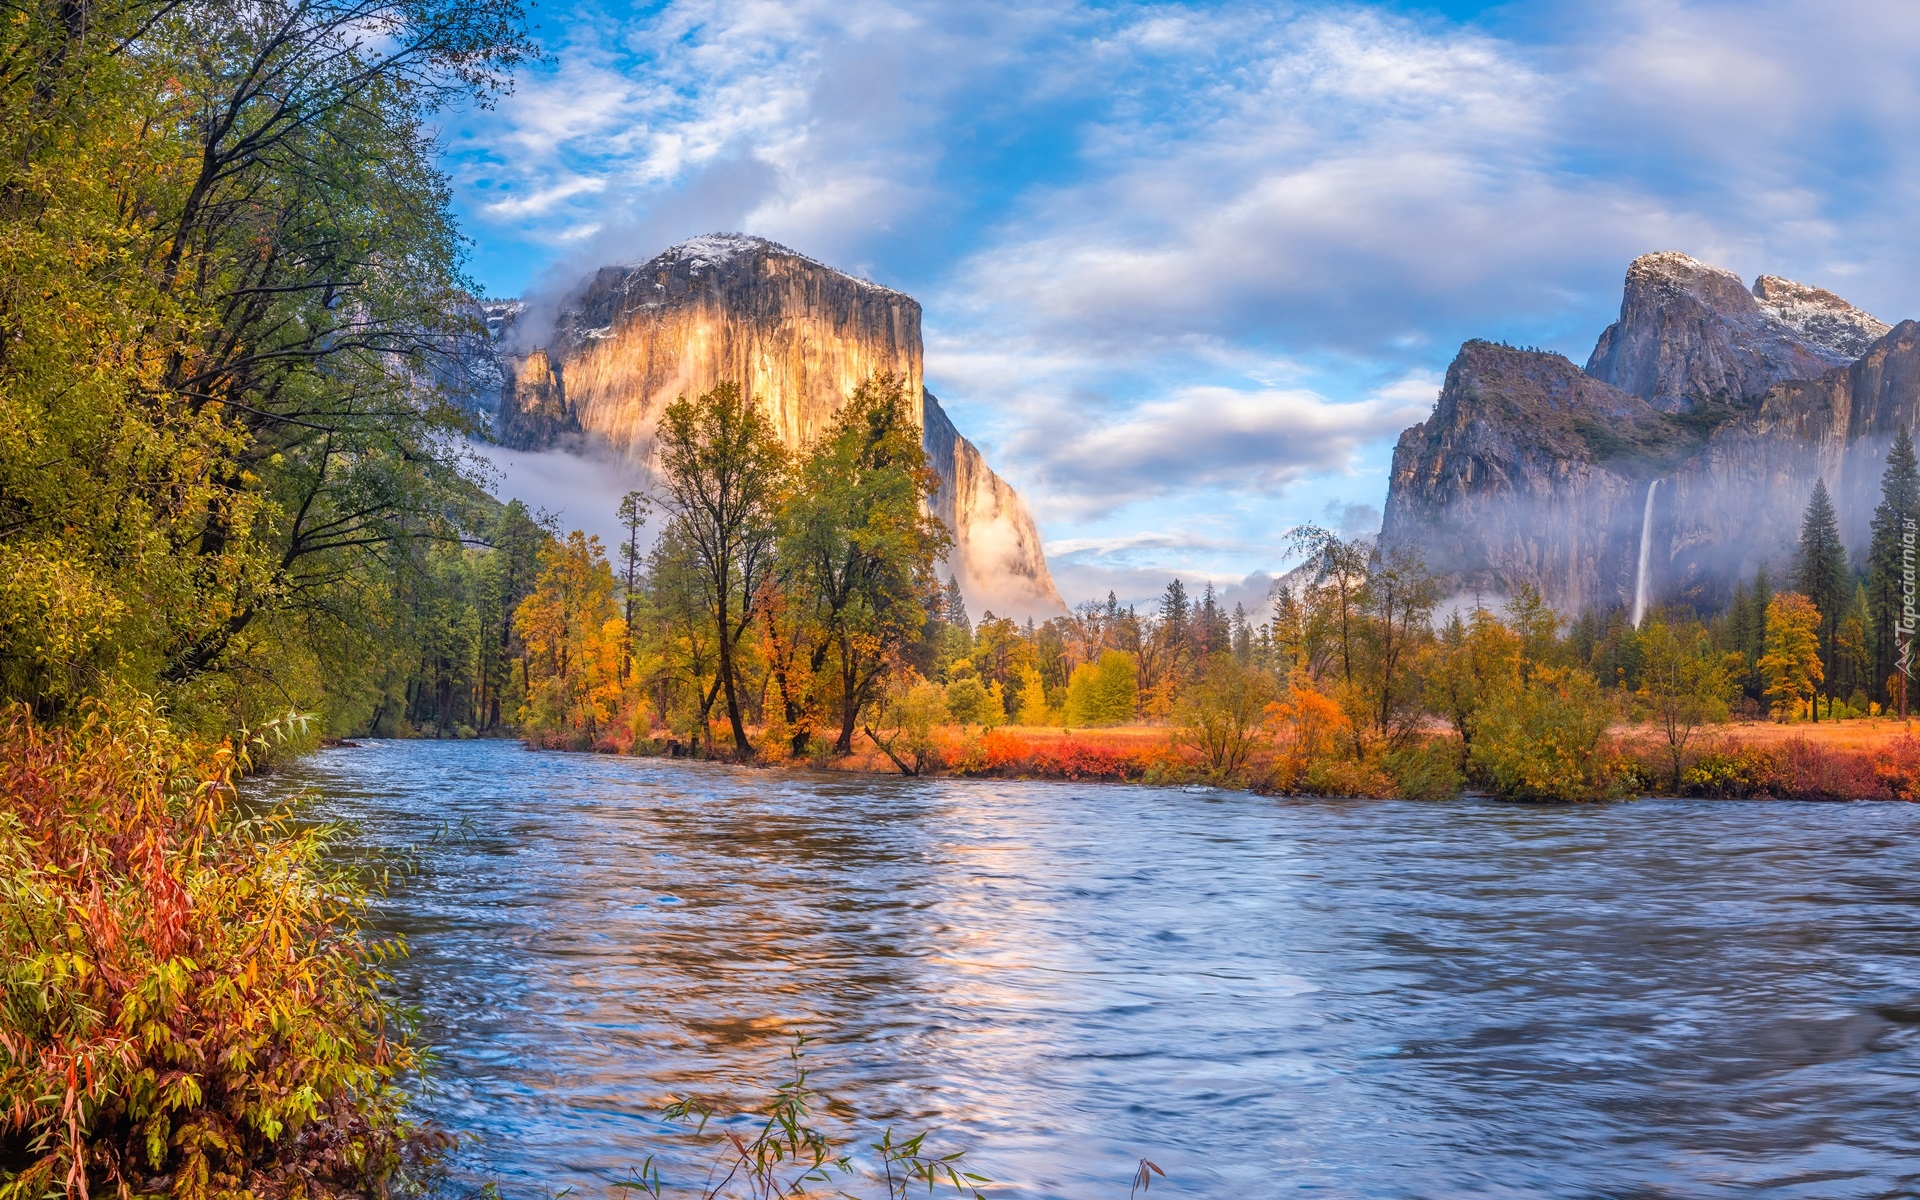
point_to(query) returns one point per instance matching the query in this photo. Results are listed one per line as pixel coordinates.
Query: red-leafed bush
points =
(187, 1006)
(1004, 755)
(1803, 770)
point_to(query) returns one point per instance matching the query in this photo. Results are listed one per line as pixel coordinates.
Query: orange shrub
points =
(1002, 754)
(1804, 770)
(187, 1004)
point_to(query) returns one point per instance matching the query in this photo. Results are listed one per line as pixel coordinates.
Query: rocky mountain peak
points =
(731, 270)
(1674, 274)
(1819, 316)
(1691, 334)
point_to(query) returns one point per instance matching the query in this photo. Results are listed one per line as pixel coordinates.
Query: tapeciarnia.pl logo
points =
(1903, 625)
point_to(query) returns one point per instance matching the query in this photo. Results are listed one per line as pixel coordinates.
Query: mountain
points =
(796, 335)
(1691, 334)
(1702, 418)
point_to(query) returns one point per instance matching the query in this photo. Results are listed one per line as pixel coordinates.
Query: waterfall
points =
(1640, 577)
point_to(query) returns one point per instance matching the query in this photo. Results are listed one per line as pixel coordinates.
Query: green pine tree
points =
(1757, 634)
(1899, 503)
(1739, 633)
(1822, 577)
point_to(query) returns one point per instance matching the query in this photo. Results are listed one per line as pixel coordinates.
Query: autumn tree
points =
(1684, 684)
(236, 331)
(575, 642)
(1791, 665)
(1333, 597)
(1221, 712)
(1396, 602)
(723, 470)
(1106, 692)
(858, 542)
(682, 646)
(1476, 659)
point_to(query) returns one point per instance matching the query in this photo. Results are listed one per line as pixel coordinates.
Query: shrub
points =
(1347, 777)
(1104, 693)
(1429, 771)
(1306, 728)
(906, 727)
(969, 703)
(188, 1002)
(1545, 740)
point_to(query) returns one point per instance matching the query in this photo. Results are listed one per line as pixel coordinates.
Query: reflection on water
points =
(1360, 998)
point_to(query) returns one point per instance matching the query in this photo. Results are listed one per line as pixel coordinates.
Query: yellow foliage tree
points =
(1306, 727)
(1104, 693)
(1032, 695)
(1791, 664)
(576, 640)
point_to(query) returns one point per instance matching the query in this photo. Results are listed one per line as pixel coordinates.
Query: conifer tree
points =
(956, 609)
(634, 507)
(1899, 503)
(1757, 645)
(1176, 619)
(1739, 632)
(1823, 576)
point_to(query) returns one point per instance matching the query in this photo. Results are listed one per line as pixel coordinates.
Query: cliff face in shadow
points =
(798, 337)
(1738, 504)
(1731, 401)
(1529, 470)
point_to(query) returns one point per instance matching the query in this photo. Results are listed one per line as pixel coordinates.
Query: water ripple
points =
(1359, 998)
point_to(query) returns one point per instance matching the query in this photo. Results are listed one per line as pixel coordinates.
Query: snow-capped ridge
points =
(1818, 315)
(1674, 269)
(716, 251)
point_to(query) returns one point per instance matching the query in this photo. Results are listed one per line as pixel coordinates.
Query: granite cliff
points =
(1703, 417)
(798, 336)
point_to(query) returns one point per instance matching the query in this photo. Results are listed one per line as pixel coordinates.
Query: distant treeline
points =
(790, 608)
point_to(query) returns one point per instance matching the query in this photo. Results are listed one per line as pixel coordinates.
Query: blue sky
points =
(1187, 269)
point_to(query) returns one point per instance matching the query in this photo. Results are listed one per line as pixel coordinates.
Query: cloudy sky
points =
(1188, 269)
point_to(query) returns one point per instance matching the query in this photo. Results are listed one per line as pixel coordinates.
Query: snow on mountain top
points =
(501, 314)
(1671, 266)
(1818, 315)
(719, 249)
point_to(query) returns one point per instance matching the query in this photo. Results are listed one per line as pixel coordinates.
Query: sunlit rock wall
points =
(799, 337)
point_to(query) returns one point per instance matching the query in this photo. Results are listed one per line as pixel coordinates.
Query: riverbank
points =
(1874, 758)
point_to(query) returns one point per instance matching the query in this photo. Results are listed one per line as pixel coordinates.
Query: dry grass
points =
(1863, 733)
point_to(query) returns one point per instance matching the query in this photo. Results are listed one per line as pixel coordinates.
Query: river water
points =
(1352, 998)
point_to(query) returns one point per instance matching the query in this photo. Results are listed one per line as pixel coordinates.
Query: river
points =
(1353, 998)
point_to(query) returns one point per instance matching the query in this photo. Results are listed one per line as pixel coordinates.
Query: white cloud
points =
(541, 201)
(1250, 442)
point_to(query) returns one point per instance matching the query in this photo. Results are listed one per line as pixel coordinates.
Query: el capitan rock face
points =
(1733, 402)
(797, 336)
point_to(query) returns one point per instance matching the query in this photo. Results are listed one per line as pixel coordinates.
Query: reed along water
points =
(1264, 996)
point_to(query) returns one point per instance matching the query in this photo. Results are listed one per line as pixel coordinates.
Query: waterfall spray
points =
(1640, 577)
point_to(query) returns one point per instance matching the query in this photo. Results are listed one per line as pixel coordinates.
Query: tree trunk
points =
(742, 749)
